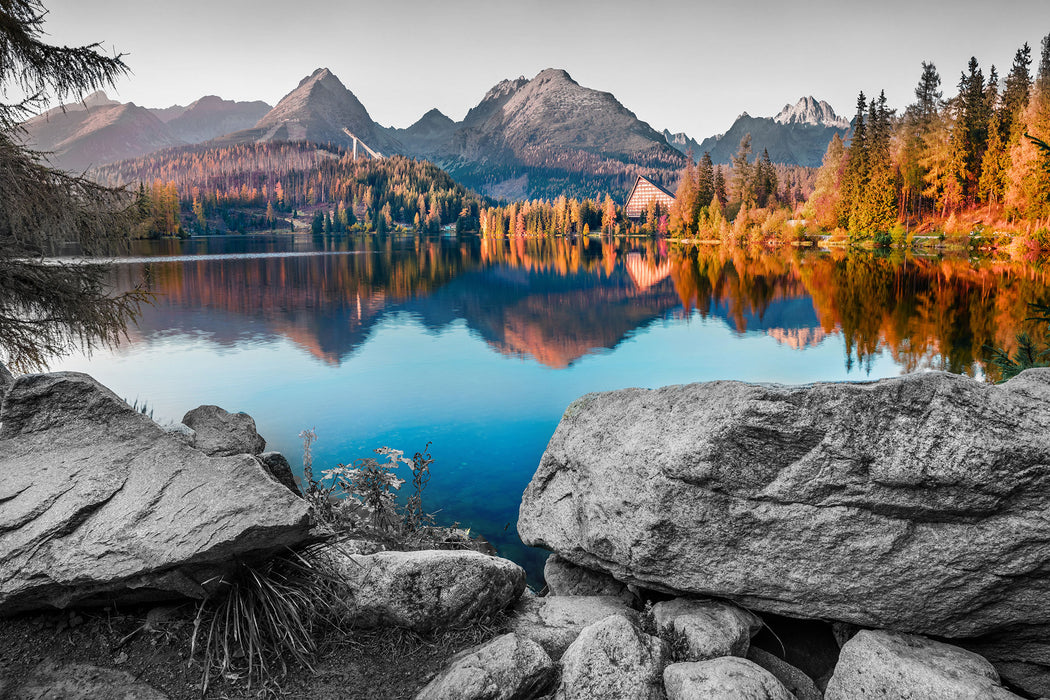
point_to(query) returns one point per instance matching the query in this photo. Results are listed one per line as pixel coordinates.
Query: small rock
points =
(612, 660)
(428, 590)
(883, 664)
(277, 467)
(798, 683)
(508, 667)
(181, 431)
(709, 628)
(565, 578)
(726, 678)
(222, 434)
(556, 621)
(51, 680)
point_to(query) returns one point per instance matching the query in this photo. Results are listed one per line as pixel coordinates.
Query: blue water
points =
(479, 357)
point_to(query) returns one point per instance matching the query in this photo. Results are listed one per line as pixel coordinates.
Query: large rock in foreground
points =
(98, 502)
(917, 503)
(878, 664)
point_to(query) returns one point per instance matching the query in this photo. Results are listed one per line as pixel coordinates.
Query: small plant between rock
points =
(361, 499)
(268, 614)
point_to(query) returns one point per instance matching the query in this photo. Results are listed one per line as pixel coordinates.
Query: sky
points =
(685, 66)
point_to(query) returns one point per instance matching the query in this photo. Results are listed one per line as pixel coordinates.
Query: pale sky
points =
(685, 66)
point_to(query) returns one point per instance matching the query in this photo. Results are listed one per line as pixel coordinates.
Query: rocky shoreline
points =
(721, 540)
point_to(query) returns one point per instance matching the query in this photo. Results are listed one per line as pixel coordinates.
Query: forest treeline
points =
(259, 186)
(973, 162)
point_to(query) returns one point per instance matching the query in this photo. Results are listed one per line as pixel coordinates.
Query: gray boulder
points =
(612, 660)
(798, 683)
(709, 628)
(427, 590)
(100, 503)
(277, 467)
(52, 680)
(556, 621)
(508, 667)
(725, 678)
(880, 664)
(914, 503)
(220, 433)
(565, 578)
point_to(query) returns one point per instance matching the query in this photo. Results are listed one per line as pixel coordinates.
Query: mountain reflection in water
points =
(382, 346)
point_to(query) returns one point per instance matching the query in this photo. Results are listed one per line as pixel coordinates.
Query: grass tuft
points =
(269, 615)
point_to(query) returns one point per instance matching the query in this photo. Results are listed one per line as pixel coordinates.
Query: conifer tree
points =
(705, 180)
(916, 125)
(972, 123)
(854, 179)
(720, 186)
(46, 309)
(1016, 90)
(743, 177)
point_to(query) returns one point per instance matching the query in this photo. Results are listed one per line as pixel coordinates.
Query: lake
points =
(477, 346)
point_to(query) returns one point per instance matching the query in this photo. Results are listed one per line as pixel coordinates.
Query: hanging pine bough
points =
(47, 309)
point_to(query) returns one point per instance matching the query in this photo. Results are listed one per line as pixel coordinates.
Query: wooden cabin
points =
(643, 192)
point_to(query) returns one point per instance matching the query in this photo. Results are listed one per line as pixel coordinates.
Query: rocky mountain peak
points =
(98, 99)
(551, 75)
(319, 75)
(808, 110)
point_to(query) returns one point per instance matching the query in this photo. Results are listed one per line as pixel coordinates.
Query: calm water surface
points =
(478, 346)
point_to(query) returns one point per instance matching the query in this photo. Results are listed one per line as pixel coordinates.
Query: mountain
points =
(809, 111)
(429, 136)
(318, 110)
(213, 116)
(166, 114)
(97, 131)
(548, 136)
(798, 135)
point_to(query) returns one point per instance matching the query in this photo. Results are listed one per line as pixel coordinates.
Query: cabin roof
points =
(635, 187)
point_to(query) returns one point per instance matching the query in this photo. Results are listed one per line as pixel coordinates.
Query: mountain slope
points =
(97, 132)
(318, 110)
(549, 136)
(213, 116)
(798, 135)
(429, 137)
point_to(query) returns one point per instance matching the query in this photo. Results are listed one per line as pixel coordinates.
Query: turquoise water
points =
(475, 350)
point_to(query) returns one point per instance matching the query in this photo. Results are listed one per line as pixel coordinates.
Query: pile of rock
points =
(98, 503)
(906, 508)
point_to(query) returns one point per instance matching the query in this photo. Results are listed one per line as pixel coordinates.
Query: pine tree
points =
(918, 121)
(720, 187)
(995, 163)
(705, 180)
(854, 179)
(46, 310)
(1016, 92)
(972, 123)
(743, 177)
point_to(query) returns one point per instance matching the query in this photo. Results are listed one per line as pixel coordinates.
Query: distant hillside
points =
(211, 116)
(798, 135)
(235, 186)
(97, 131)
(318, 110)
